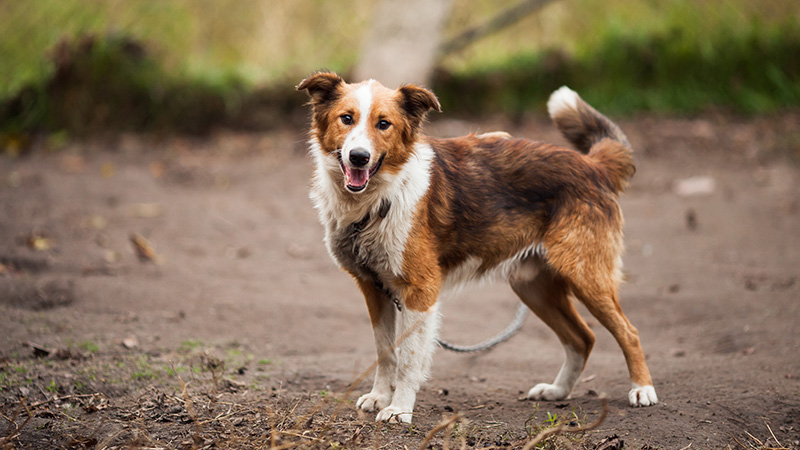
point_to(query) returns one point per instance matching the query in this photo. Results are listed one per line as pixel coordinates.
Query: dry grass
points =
(204, 408)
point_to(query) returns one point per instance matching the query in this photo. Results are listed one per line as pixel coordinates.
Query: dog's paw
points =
(393, 414)
(549, 392)
(642, 395)
(374, 401)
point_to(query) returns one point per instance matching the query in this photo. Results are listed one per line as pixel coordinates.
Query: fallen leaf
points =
(39, 242)
(144, 250)
(107, 170)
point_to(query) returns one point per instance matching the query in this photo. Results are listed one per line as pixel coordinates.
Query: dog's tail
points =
(593, 134)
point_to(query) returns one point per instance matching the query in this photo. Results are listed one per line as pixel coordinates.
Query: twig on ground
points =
(378, 427)
(560, 428)
(737, 441)
(761, 444)
(66, 397)
(11, 435)
(189, 405)
(441, 426)
(780, 446)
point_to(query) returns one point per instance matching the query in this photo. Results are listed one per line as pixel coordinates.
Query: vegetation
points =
(753, 72)
(190, 66)
(200, 396)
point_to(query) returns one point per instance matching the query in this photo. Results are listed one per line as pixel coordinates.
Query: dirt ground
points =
(228, 326)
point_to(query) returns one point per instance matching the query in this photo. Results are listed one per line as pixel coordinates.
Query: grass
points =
(89, 346)
(105, 405)
(752, 68)
(190, 345)
(211, 41)
(189, 66)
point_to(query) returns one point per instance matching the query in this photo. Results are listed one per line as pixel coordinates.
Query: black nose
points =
(359, 157)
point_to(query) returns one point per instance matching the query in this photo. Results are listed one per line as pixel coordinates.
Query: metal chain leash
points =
(492, 342)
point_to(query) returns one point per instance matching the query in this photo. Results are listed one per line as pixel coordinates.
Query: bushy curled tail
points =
(594, 134)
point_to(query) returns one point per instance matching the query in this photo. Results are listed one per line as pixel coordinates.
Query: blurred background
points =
(72, 67)
(155, 220)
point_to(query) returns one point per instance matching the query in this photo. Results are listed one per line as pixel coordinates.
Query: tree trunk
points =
(402, 43)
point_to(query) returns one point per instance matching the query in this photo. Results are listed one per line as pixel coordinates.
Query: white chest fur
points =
(377, 244)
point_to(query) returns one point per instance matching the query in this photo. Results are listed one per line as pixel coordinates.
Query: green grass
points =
(752, 72)
(188, 66)
(256, 41)
(190, 345)
(90, 346)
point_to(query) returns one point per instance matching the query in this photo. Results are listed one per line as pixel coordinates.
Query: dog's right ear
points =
(417, 101)
(322, 87)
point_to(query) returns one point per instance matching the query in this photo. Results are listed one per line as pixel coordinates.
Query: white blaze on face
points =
(356, 178)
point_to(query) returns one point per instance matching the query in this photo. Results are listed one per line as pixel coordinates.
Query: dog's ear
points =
(322, 87)
(417, 101)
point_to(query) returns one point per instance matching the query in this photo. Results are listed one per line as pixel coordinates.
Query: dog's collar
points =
(361, 225)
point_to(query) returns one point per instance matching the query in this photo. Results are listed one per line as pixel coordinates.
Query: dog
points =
(410, 217)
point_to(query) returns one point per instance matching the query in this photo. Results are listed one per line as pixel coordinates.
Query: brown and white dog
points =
(410, 217)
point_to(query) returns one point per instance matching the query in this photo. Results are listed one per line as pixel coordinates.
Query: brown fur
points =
(492, 196)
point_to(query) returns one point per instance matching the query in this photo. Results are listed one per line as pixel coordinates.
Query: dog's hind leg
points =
(585, 250)
(601, 300)
(546, 295)
(382, 314)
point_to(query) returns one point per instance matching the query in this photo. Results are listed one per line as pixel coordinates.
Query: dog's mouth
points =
(355, 180)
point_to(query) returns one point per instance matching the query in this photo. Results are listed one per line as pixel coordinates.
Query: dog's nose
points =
(359, 157)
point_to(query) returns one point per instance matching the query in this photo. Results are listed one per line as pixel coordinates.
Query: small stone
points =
(130, 342)
(694, 186)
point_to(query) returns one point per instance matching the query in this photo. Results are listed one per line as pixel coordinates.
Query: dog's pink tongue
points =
(357, 177)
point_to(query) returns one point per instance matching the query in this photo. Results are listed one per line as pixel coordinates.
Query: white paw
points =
(373, 401)
(394, 414)
(642, 396)
(549, 392)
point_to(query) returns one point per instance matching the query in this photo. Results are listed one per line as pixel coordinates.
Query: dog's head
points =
(368, 128)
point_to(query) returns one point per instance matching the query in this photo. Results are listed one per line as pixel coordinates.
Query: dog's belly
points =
(524, 265)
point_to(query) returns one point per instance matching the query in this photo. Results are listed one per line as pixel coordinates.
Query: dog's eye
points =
(384, 124)
(347, 119)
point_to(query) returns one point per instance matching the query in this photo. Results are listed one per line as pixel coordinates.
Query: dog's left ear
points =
(321, 87)
(417, 101)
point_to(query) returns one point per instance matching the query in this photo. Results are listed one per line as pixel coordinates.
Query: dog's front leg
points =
(382, 314)
(417, 343)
